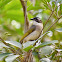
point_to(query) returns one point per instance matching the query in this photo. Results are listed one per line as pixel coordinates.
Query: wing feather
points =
(30, 30)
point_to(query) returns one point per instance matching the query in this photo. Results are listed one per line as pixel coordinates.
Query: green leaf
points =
(11, 58)
(3, 3)
(53, 4)
(46, 6)
(43, 35)
(28, 48)
(9, 30)
(59, 29)
(47, 43)
(29, 3)
(14, 4)
(28, 45)
(53, 54)
(48, 0)
(30, 16)
(44, 1)
(45, 60)
(59, 50)
(3, 55)
(15, 15)
(3, 45)
(59, 1)
(33, 8)
(38, 5)
(35, 54)
(61, 9)
(47, 50)
(15, 43)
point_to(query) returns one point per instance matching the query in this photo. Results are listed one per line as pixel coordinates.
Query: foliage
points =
(12, 25)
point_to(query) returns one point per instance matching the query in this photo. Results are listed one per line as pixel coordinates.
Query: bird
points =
(34, 32)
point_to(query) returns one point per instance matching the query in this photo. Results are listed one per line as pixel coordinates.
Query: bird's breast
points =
(39, 27)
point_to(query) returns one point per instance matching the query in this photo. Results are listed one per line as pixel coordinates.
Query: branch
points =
(26, 24)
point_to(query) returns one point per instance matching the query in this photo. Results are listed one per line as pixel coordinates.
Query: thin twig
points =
(26, 24)
(54, 23)
(48, 18)
(50, 15)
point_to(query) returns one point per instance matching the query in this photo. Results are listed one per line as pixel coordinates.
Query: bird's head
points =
(37, 19)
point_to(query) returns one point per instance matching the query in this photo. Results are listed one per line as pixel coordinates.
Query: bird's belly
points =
(33, 36)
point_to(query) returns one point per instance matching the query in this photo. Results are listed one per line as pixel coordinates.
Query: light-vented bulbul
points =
(34, 31)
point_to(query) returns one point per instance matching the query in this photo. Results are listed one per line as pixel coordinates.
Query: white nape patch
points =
(35, 23)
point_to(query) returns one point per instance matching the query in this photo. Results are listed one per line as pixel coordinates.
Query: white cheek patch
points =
(34, 22)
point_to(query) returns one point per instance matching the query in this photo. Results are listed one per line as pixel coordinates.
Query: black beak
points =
(32, 19)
